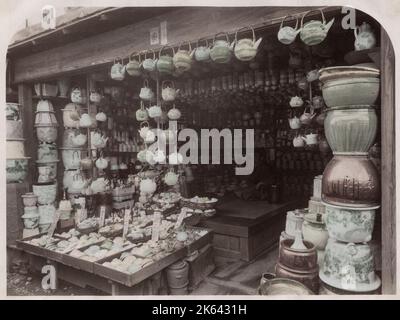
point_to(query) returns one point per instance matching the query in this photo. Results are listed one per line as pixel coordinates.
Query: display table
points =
(244, 229)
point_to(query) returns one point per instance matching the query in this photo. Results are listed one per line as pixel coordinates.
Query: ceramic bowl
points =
(350, 224)
(282, 286)
(46, 213)
(31, 220)
(29, 199)
(314, 231)
(349, 266)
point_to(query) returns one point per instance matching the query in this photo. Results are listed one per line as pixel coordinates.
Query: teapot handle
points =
(284, 18)
(205, 39)
(322, 15)
(117, 59)
(146, 83)
(166, 82)
(164, 47)
(221, 33)
(182, 43)
(244, 28)
(143, 123)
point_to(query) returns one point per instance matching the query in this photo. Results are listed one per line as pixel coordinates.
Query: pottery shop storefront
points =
(88, 191)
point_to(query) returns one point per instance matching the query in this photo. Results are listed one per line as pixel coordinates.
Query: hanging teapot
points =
(79, 140)
(202, 53)
(364, 37)
(77, 95)
(221, 51)
(307, 117)
(99, 185)
(101, 163)
(312, 75)
(150, 158)
(149, 64)
(95, 97)
(246, 49)
(142, 114)
(118, 70)
(168, 91)
(296, 102)
(159, 156)
(150, 137)
(314, 31)
(287, 35)
(294, 123)
(145, 92)
(101, 117)
(165, 62)
(141, 156)
(133, 66)
(298, 142)
(171, 178)
(311, 138)
(174, 113)
(183, 59)
(78, 182)
(154, 111)
(317, 102)
(144, 128)
(98, 141)
(85, 121)
(147, 186)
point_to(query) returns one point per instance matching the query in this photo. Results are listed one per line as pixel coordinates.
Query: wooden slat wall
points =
(388, 166)
(183, 24)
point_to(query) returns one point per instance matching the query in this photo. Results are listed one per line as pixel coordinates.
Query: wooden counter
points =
(244, 229)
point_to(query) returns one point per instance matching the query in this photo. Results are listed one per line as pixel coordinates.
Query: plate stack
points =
(351, 182)
(17, 163)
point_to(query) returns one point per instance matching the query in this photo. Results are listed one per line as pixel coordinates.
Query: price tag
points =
(54, 223)
(181, 216)
(127, 217)
(102, 216)
(155, 232)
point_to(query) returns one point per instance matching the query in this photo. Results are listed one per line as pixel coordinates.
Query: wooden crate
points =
(200, 265)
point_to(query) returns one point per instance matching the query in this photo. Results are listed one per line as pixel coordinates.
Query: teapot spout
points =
(232, 45)
(329, 25)
(257, 43)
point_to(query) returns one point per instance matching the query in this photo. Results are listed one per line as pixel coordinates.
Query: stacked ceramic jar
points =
(31, 215)
(17, 163)
(351, 182)
(74, 141)
(46, 186)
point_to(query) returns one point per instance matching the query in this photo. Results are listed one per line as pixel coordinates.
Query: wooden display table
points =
(244, 229)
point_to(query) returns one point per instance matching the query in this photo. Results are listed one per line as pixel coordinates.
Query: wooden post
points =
(388, 166)
(28, 114)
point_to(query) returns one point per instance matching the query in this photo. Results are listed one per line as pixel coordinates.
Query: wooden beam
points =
(388, 165)
(28, 116)
(183, 24)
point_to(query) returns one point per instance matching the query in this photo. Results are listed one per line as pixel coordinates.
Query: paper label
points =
(181, 216)
(54, 223)
(102, 216)
(127, 217)
(155, 232)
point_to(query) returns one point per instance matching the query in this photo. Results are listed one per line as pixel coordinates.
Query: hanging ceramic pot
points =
(142, 114)
(95, 97)
(246, 49)
(351, 180)
(144, 129)
(85, 121)
(364, 37)
(202, 53)
(154, 111)
(174, 113)
(118, 70)
(168, 91)
(79, 140)
(171, 178)
(147, 186)
(183, 59)
(98, 141)
(296, 102)
(351, 129)
(221, 51)
(311, 139)
(314, 31)
(307, 117)
(298, 141)
(165, 62)
(78, 95)
(294, 123)
(287, 35)
(101, 117)
(101, 163)
(149, 64)
(146, 93)
(71, 115)
(133, 66)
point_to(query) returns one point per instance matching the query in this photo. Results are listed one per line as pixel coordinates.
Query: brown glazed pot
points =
(309, 278)
(351, 180)
(302, 260)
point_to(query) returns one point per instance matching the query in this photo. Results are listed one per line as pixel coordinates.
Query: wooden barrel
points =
(178, 277)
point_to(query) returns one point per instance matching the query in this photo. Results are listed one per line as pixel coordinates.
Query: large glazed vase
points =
(351, 180)
(351, 129)
(349, 266)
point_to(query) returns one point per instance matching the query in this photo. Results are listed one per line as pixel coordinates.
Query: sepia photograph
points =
(188, 151)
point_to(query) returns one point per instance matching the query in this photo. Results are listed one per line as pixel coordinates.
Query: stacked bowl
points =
(31, 215)
(350, 182)
(17, 163)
